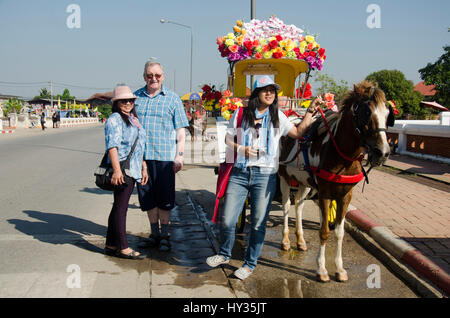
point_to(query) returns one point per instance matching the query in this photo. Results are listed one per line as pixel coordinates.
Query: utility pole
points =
(51, 95)
(252, 16)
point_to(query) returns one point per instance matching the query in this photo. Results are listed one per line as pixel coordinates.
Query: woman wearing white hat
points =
(121, 130)
(255, 169)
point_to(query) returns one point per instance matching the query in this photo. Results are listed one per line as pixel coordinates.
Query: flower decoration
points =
(270, 39)
(211, 97)
(329, 102)
(305, 95)
(394, 107)
(229, 104)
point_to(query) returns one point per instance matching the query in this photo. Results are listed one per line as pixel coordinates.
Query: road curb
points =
(8, 131)
(401, 250)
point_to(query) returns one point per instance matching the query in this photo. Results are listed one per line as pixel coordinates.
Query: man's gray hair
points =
(151, 63)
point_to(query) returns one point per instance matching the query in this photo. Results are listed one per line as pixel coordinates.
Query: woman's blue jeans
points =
(262, 189)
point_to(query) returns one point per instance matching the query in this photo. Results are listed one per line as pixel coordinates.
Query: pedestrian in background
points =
(163, 117)
(43, 119)
(255, 168)
(54, 119)
(121, 130)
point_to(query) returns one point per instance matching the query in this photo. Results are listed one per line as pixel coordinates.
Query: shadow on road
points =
(63, 229)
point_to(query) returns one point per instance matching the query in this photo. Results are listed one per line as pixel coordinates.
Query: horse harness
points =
(361, 118)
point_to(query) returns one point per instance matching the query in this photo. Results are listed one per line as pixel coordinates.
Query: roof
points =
(425, 90)
(434, 105)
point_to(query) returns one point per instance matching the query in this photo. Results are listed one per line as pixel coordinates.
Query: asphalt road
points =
(52, 216)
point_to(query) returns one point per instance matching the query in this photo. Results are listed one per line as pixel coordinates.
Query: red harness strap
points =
(337, 178)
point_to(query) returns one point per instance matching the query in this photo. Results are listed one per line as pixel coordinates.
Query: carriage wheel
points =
(241, 221)
(332, 215)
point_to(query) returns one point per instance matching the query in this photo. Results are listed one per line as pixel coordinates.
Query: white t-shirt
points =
(268, 161)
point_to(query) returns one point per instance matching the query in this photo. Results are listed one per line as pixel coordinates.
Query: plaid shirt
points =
(160, 116)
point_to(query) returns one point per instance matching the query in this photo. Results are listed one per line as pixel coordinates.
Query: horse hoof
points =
(302, 247)
(286, 246)
(341, 277)
(324, 278)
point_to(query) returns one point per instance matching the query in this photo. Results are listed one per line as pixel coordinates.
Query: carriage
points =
(329, 165)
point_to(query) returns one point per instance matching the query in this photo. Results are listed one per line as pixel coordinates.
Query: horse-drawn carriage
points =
(328, 165)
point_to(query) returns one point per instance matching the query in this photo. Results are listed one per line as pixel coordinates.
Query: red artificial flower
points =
(258, 55)
(255, 43)
(206, 88)
(266, 48)
(396, 112)
(279, 37)
(248, 45)
(273, 44)
(321, 52)
(313, 54)
(217, 95)
(277, 55)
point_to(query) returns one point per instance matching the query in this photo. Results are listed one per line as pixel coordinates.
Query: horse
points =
(330, 165)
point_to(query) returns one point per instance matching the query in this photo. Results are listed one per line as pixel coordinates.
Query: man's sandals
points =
(162, 242)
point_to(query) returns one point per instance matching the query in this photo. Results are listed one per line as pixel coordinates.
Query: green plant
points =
(13, 105)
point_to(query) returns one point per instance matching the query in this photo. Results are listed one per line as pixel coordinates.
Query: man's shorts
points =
(159, 192)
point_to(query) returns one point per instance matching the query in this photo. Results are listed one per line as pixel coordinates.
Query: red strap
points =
(337, 178)
(359, 158)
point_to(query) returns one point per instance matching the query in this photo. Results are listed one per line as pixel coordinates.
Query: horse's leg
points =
(342, 205)
(299, 203)
(286, 203)
(322, 274)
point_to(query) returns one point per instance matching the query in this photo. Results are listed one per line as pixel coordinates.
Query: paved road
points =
(53, 224)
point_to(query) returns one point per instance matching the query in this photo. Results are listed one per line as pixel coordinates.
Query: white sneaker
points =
(216, 260)
(242, 273)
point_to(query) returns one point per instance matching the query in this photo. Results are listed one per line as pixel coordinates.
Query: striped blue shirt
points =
(160, 116)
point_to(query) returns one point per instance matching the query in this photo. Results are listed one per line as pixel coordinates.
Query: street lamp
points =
(192, 46)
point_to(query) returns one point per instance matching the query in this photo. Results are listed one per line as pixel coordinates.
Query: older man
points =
(162, 115)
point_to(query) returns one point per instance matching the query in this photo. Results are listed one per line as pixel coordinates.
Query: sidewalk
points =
(418, 212)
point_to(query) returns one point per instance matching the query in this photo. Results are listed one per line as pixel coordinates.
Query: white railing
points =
(433, 128)
(70, 122)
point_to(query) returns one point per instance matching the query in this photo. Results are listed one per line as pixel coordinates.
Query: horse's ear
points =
(391, 117)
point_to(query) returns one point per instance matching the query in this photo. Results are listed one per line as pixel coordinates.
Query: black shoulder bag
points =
(105, 171)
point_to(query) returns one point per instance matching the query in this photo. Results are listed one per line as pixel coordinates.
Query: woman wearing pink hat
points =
(122, 129)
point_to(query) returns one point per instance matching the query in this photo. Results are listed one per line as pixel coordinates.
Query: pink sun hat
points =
(122, 92)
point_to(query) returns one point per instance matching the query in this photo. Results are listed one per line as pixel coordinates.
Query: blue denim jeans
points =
(262, 189)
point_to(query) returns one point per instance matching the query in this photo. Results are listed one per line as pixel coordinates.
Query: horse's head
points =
(371, 117)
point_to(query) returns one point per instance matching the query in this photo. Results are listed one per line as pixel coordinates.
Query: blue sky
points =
(117, 37)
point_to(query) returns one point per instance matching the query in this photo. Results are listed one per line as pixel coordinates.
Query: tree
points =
(105, 110)
(438, 74)
(43, 93)
(13, 105)
(329, 85)
(397, 88)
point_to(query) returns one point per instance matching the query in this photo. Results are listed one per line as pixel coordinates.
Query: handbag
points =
(104, 172)
(224, 173)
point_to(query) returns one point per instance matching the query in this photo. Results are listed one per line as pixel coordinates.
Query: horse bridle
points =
(362, 117)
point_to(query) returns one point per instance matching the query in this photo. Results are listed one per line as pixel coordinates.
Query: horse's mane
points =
(363, 90)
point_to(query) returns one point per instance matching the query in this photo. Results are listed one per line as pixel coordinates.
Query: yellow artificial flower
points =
(229, 42)
(237, 29)
(230, 36)
(303, 44)
(243, 31)
(267, 55)
(239, 23)
(309, 39)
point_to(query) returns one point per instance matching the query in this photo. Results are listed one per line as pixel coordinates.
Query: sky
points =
(116, 38)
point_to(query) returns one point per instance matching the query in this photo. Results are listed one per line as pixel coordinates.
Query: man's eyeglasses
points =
(157, 76)
(125, 101)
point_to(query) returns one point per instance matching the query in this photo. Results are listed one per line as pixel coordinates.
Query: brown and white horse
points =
(335, 166)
